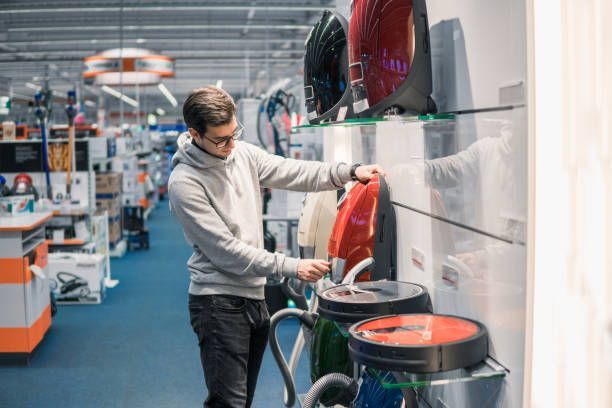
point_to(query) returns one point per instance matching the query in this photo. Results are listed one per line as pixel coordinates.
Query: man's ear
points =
(194, 134)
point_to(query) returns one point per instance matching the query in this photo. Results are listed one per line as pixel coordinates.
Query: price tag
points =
(342, 113)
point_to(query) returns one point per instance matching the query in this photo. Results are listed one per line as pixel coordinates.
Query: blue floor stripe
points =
(136, 349)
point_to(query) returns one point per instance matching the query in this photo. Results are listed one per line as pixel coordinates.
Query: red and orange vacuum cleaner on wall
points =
(389, 57)
(364, 227)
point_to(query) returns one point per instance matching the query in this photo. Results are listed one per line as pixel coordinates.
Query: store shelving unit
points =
(25, 311)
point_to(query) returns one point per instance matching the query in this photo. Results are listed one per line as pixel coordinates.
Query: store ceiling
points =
(246, 44)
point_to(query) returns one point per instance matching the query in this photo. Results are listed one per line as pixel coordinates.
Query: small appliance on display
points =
(19, 199)
(326, 89)
(418, 343)
(389, 57)
(71, 112)
(23, 185)
(364, 227)
(316, 222)
(399, 352)
(43, 105)
(77, 278)
(339, 307)
(314, 228)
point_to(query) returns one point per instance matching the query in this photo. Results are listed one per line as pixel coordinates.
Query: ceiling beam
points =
(147, 8)
(161, 27)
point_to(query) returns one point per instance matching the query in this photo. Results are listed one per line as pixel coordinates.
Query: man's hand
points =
(365, 173)
(311, 270)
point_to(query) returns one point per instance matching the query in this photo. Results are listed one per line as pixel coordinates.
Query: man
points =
(214, 191)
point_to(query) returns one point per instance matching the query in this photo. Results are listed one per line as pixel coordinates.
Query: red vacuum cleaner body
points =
(364, 227)
(389, 57)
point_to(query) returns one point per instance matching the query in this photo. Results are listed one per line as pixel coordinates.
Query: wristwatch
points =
(353, 170)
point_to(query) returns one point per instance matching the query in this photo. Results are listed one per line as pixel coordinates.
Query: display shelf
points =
(488, 369)
(33, 241)
(72, 241)
(24, 222)
(74, 213)
(374, 121)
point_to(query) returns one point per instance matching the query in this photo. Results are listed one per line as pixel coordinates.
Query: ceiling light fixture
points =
(160, 111)
(168, 95)
(32, 86)
(119, 95)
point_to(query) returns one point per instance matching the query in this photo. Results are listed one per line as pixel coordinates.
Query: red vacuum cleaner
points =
(364, 228)
(389, 57)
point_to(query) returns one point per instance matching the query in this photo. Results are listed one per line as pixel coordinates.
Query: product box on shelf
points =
(111, 205)
(16, 205)
(77, 278)
(108, 184)
(114, 229)
(99, 147)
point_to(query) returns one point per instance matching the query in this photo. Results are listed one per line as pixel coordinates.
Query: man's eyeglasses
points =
(224, 141)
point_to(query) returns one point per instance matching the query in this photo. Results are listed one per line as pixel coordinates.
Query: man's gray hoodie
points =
(218, 203)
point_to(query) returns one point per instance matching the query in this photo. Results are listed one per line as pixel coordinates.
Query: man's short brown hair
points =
(208, 106)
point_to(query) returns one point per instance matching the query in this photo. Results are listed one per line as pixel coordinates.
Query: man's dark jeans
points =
(233, 333)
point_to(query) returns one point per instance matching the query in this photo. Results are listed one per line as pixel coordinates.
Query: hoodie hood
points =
(193, 156)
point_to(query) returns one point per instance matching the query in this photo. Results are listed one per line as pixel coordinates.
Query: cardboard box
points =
(16, 205)
(111, 205)
(108, 183)
(77, 278)
(114, 230)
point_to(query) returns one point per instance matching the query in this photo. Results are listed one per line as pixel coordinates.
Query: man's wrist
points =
(354, 171)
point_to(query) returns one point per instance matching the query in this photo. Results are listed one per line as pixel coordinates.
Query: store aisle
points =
(136, 349)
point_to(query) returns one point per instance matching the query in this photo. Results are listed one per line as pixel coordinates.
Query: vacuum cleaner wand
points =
(41, 100)
(71, 113)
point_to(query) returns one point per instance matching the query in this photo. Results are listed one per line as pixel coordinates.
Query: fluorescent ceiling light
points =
(168, 95)
(119, 95)
(89, 103)
(32, 86)
(160, 111)
(219, 83)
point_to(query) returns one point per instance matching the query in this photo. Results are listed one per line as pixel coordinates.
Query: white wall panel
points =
(478, 53)
(471, 170)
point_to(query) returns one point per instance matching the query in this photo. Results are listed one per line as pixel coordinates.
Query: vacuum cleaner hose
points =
(326, 382)
(308, 319)
(299, 296)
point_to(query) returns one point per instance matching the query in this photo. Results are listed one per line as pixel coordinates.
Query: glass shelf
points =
(488, 369)
(374, 121)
